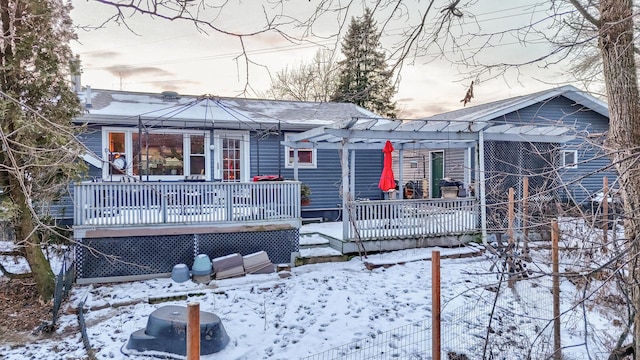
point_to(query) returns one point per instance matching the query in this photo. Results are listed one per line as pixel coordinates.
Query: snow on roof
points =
(125, 107)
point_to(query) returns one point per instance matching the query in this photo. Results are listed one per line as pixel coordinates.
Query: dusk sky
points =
(152, 55)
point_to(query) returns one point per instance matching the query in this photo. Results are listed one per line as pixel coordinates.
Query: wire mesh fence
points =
(411, 341)
(506, 166)
(63, 284)
(510, 317)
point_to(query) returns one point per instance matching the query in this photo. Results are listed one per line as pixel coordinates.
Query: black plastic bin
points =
(450, 188)
(450, 182)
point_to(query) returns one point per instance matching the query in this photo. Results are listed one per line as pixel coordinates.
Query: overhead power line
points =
(285, 48)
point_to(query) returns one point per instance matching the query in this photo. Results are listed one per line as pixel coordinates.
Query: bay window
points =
(156, 155)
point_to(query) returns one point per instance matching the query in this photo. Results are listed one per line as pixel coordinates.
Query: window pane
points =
(197, 144)
(569, 158)
(116, 142)
(162, 154)
(197, 165)
(304, 156)
(117, 151)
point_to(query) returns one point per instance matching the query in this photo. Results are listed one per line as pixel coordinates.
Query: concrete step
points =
(316, 248)
(311, 240)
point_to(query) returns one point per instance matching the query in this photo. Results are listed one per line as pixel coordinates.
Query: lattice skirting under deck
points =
(130, 258)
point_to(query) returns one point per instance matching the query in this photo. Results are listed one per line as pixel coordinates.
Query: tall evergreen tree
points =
(37, 104)
(364, 76)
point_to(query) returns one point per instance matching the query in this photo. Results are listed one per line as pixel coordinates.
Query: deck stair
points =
(317, 248)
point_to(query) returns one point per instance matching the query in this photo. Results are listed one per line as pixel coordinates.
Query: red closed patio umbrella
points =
(387, 180)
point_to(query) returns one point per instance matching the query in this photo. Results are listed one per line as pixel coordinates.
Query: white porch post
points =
(467, 169)
(295, 164)
(344, 163)
(400, 194)
(482, 194)
(352, 178)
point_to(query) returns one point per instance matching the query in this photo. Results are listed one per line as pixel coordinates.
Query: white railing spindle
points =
(140, 203)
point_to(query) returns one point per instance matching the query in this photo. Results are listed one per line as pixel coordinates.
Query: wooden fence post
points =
(193, 331)
(435, 305)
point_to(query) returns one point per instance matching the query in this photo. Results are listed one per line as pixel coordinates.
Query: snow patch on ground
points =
(323, 306)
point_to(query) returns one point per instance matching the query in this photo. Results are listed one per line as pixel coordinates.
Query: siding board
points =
(325, 180)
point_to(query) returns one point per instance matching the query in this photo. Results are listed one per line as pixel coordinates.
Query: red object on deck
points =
(267, 178)
(387, 180)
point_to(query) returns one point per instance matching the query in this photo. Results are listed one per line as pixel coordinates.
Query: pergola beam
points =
(402, 135)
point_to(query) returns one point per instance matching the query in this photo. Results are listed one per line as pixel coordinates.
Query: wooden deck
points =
(120, 204)
(119, 209)
(412, 218)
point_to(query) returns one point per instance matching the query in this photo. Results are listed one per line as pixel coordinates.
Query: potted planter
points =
(305, 194)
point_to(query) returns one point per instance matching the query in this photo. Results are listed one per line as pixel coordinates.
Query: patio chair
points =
(194, 178)
(129, 179)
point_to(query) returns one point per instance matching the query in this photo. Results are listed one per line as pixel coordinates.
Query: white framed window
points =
(197, 155)
(570, 159)
(156, 155)
(116, 153)
(307, 157)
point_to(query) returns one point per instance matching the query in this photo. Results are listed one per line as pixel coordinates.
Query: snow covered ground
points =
(324, 306)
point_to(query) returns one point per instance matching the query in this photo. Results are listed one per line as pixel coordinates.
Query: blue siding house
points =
(172, 175)
(155, 137)
(573, 172)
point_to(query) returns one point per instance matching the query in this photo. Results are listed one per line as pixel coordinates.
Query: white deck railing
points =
(140, 203)
(413, 218)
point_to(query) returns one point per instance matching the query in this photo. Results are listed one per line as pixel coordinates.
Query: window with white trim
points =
(307, 157)
(197, 155)
(117, 155)
(570, 159)
(163, 154)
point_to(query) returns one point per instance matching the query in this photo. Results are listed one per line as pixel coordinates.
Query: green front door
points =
(437, 172)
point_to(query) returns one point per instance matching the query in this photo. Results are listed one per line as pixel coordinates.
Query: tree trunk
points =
(616, 47)
(29, 239)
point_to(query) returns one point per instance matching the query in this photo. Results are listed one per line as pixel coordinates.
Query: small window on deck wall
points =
(306, 157)
(570, 159)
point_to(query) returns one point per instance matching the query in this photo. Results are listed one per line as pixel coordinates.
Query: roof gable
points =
(493, 110)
